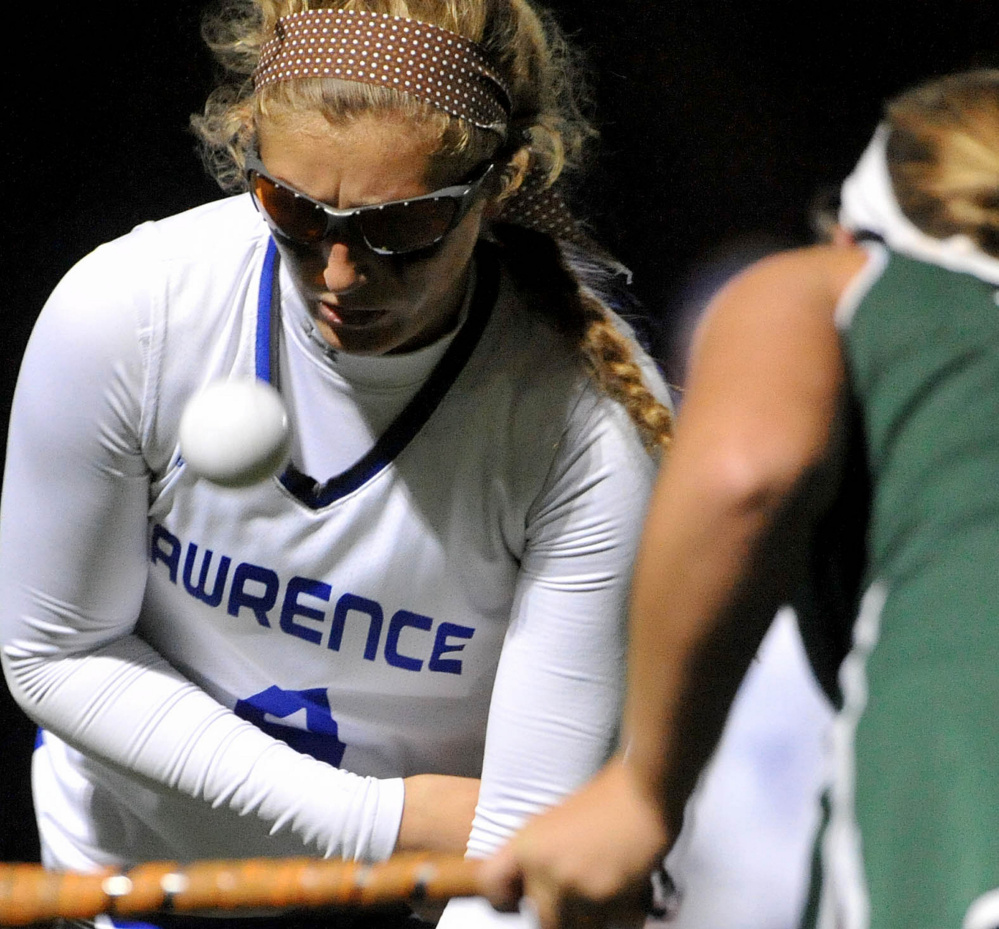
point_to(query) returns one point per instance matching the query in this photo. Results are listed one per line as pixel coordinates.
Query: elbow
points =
(33, 674)
(20, 671)
(760, 480)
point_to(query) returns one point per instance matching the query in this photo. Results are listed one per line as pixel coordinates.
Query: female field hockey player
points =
(412, 638)
(839, 448)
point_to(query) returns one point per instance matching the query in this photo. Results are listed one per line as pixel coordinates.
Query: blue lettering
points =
(171, 557)
(292, 608)
(401, 620)
(441, 645)
(353, 603)
(215, 597)
(256, 588)
(258, 604)
(320, 738)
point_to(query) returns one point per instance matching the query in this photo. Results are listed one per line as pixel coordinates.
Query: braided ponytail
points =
(566, 291)
(612, 365)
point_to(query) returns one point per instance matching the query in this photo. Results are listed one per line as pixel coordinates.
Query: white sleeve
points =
(556, 702)
(72, 575)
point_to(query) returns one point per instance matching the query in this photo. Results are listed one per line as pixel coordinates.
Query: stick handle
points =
(30, 894)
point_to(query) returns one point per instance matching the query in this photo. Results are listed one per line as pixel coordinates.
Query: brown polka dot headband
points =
(432, 64)
(435, 65)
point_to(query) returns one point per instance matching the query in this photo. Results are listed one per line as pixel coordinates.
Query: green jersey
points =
(911, 839)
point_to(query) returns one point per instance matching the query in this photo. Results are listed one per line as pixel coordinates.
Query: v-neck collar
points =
(318, 494)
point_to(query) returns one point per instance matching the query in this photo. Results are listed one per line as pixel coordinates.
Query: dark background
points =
(719, 120)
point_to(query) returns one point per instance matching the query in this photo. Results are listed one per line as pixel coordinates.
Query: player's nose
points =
(342, 273)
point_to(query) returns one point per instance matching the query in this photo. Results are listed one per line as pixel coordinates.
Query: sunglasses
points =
(393, 228)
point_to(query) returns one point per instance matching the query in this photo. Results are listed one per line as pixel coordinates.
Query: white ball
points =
(235, 433)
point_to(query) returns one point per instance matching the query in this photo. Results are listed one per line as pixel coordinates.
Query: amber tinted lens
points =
(406, 227)
(296, 218)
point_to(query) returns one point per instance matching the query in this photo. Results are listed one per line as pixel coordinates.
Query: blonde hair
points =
(546, 134)
(943, 156)
(547, 129)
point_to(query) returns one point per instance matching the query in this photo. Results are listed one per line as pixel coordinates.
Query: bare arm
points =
(437, 814)
(741, 483)
(748, 471)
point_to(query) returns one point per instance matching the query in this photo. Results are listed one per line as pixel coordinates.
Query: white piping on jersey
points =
(844, 901)
(861, 283)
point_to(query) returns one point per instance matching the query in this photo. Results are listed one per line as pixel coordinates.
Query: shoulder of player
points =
(114, 304)
(191, 260)
(520, 340)
(817, 274)
(777, 302)
(203, 234)
(525, 364)
(530, 336)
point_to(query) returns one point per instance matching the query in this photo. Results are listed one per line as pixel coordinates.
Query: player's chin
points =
(376, 337)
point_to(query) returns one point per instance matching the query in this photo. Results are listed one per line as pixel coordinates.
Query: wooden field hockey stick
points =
(30, 894)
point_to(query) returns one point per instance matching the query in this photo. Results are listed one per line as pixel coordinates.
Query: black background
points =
(719, 121)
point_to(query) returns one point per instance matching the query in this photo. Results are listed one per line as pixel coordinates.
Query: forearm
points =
(555, 712)
(437, 815)
(705, 591)
(124, 706)
(755, 457)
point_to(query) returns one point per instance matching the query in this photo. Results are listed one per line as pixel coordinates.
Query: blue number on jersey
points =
(318, 736)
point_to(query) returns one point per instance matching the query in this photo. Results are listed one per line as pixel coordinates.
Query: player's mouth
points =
(336, 315)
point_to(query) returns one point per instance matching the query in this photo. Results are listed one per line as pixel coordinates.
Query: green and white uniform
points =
(912, 838)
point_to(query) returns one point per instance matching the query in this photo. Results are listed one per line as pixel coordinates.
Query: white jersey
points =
(252, 672)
